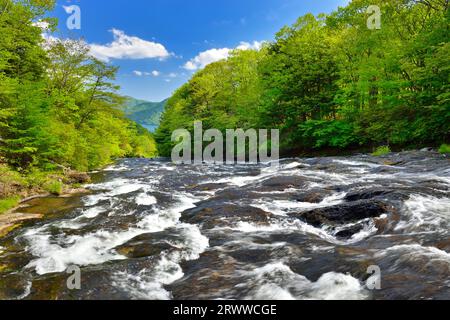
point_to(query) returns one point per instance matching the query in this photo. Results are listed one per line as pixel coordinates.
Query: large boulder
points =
(150, 244)
(343, 213)
(312, 196)
(282, 183)
(376, 193)
(78, 177)
(223, 214)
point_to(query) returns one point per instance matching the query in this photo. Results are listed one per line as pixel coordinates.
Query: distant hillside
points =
(147, 114)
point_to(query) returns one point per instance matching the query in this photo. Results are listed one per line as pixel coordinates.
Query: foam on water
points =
(116, 168)
(55, 245)
(276, 281)
(116, 188)
(425, 213)
(242, 181)
(149, 283)
(283, 207)
(144, 199)
(167, 218)
(55, 254)
(358, 163)
(92, 213)
(337, 286)
(283, 167)
(413, 253)
(80, 221)
(283, 225)
(369, 229)
(298, 226)
(329, 178)
(26, 292)
(70, 224)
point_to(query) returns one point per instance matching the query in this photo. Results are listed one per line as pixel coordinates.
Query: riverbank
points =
(16, 190)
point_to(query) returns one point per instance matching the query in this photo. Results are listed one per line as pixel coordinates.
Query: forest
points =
(330, 83)
(59, 107)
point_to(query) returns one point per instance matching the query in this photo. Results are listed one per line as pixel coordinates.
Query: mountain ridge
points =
(146, 113)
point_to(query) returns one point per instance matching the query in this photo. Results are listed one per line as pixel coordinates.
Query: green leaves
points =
(58, 105)
(337, 134)
(224, 95)
(330, 81)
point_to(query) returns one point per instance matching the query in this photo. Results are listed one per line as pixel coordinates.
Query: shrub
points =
(382, 151)
(54, 187)
(338, 134)
(8, 203)
(11, 182)
(444, 149)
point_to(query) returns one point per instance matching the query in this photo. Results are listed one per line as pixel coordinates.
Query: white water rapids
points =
(133, 238)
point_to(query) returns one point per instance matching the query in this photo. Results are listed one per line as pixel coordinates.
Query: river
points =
(309, 229)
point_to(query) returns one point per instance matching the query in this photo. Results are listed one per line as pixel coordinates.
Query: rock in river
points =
(343, 213)
(220, 215)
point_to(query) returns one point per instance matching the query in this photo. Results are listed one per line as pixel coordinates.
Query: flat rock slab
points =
(343, 213)
(9, 220)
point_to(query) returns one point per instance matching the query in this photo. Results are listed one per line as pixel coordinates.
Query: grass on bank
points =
(15, 186)
(444, 149)
(8, 203)
(382, 151)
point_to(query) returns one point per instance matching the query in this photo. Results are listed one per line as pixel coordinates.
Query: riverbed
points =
(312, 228)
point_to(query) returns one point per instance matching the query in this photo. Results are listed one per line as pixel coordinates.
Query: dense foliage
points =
(58, 106)
(331, 82)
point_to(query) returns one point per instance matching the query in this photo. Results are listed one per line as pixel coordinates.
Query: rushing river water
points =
(309, 229)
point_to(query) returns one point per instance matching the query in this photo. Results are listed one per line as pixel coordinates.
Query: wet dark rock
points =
(207, 187)
(376, 193)
(220, 215)
(393, 162)
(283, 182)
(251, 256)
(78, 177)
(13, 286)
(312, 196)
(349, 232)
(234, 194)
(340, 259)
(326, 167)
(343, 213)
(443, 245)
(151, 244)
(373, 186)
(383, 170)
(97, 282)
(210, 277)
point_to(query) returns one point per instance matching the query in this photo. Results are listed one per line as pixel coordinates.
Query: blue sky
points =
(159, 44)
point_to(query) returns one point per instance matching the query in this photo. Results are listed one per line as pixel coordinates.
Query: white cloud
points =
(128, 47)
(256, 45)
(44, 25)
(209, 56)
(154, 73)
(206, 57)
